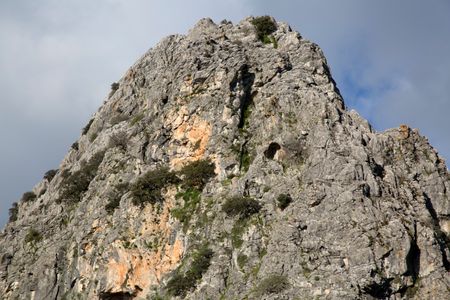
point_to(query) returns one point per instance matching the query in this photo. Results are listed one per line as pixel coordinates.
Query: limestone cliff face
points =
(224, 165)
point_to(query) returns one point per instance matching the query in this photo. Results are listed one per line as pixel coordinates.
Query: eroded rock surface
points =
(325, 207)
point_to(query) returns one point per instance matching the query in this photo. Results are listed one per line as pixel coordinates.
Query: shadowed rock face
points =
(368, 215)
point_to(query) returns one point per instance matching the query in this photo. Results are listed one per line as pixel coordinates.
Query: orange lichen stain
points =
(404, 131)
(194, 135)
(135, 270)
(117, 272)
(87, 248)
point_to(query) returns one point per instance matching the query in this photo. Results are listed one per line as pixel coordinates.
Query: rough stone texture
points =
(369, 217)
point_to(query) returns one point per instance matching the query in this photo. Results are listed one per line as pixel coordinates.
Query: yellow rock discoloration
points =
(194, 134)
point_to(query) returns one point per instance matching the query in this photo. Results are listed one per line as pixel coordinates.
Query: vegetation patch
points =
(114, 88)
(273, 284)
(283, 201)
(147, 189)
(196, 174)
(28, 197)
(245, 160)
(50, 174)
(75, 146)
(264, 26)
(241, 206)
(13, 212)
(242, 260)
(181, 283)
(33, 236)
(75, 184)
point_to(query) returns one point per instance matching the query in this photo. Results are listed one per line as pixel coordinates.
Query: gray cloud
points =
(58, 58)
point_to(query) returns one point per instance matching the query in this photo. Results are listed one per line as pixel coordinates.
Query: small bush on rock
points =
(33, 236)
(114, 88)
(148, 187)
(241, 206)
(75, 184)
(13, 212)
(273, 284)
(75, 146)
(264, 27)
(50, 174)
(283, 201)
(28, 197)
(196, 174)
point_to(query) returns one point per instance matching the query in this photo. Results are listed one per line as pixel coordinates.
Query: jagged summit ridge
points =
(224, 164)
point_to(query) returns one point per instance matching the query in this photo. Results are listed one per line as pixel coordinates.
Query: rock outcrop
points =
(224, 165)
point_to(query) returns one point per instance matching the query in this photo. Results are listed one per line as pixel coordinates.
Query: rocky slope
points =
(224, 165)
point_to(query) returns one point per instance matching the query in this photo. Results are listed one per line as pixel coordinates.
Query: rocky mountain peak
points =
(224, 165)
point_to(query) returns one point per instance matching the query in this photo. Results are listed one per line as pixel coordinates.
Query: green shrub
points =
(264, 27)
(115, 196)
(283, 201)
(28, 197)
(148, 187)
(181, 284)
(75, 184)
(13, 212)
(114, 88)
(241, 206)
(75, 146)
(273, 284)
(50, 174)
(33, 236)
(196, 174)
(88, 126)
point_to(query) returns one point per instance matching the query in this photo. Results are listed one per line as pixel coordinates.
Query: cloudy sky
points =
(390, 59)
